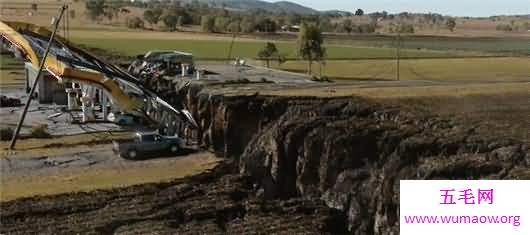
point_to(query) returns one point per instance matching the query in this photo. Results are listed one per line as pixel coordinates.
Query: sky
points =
(445, 7)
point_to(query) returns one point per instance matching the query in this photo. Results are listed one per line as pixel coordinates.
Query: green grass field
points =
(520, 46)
(218, 49)
(10, 71)
(344, 61)
(494, 69)
(10, 63)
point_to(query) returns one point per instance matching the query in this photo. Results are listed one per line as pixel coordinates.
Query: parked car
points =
(147, 144)
(124, 119)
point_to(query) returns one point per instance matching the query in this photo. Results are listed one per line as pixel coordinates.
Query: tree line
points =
(211, 17)
(172, 15)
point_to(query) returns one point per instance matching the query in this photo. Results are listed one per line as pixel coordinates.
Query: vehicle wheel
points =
(174, 149)
(132, 154)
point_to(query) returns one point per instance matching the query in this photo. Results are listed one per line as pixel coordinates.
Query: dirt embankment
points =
(349, 152)
(297, 166)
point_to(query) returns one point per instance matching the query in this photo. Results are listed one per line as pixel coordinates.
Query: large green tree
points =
(234, 26)
(248, 25)
(347, 25)
(221, 23)
(170, 20)
(311, 45)
(268, 52)
(359, 12)
(450, 24)
(152, 16)
(95, 8)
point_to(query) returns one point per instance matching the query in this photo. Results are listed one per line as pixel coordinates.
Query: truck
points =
(147, 144)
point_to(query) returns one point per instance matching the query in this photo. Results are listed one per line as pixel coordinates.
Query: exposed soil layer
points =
(352, 152)
(298, 165)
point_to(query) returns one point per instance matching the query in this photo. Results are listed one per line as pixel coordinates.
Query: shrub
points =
(407, 28)
(526, 26)
(504, 27)
(365, 28)
(450, 24)
(40, 132)
(6, 133)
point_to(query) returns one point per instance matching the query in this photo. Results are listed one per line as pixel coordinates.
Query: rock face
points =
(349, 152)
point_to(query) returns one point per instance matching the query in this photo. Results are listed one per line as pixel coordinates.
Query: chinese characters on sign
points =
(466, 196)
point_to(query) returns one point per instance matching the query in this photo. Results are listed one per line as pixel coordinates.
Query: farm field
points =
(10, 71)
(404, 91)
(218, 49)
(484, 69)
(518, 45)
(506, 45)
(365, 58)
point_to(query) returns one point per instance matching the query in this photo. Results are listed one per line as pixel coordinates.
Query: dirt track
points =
(88, 167)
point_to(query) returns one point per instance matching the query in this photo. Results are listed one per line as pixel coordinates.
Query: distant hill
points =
(280, 6)
(337, 13)
(294, 7)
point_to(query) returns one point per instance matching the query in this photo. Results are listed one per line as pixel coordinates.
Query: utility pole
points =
(398, 55)
(67, 22)
(231, 47)
(23, 115)
(64, 24)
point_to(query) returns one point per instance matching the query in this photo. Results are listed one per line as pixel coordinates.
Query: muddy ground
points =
(210, 203)
(302, 166)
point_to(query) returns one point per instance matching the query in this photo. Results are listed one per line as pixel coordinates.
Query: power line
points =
(398, 54)
(231, 47)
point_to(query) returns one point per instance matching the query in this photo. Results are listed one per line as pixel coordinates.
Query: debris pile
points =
(9, 102)
(162, 64)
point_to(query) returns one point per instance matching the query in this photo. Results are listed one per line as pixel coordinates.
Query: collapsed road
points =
(300, 166)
